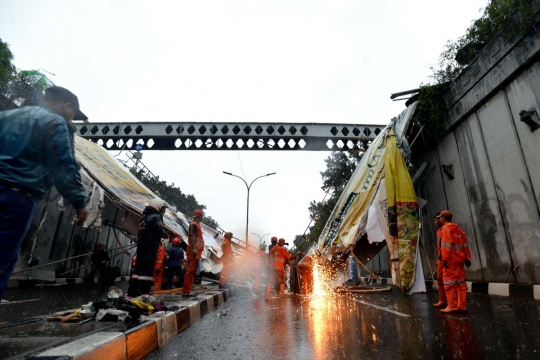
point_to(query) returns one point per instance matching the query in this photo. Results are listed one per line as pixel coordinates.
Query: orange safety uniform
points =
(189, 278)
(440, 269)
(261, 262)
(159, 269)
(279, 256)
(306, 271)
(228, 260)
(454, 252)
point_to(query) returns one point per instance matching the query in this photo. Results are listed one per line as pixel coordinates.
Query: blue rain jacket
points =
(36, 150)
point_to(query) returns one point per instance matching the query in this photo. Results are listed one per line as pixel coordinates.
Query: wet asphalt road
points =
(386, 326)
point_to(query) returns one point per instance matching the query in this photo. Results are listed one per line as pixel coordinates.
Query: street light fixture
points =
(261, 237)
(248, 187)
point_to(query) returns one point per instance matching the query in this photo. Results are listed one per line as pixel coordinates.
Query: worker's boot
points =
(282, 289)
(442, 298)
(451, 296)
(267, 293)
(462, 300)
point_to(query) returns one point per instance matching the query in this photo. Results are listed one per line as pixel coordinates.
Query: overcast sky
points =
(257, 61)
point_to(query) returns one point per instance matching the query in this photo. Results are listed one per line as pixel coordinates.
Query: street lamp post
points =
(248, 187)
(261, 237)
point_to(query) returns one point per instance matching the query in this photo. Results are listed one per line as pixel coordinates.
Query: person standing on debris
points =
(36, 150)
(455, 256)
(228, 260)
(261, 263)
(194, 252)
(159, 269)
(440, 283)
(148, 241)
(99, 260)
(280, 255)
(174, 264)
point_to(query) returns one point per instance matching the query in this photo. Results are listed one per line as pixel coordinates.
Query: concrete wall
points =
(494, 194)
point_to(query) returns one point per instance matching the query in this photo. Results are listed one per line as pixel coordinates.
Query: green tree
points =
(7, 69)
(339, 168)
(185, 203)
(15, 88)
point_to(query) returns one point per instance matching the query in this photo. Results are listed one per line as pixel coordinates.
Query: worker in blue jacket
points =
(36, 151)
(174, 264)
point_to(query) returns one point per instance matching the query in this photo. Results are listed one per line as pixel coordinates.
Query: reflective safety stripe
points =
(453, 282)
(134, 276)
(148, 278)
(454, 246)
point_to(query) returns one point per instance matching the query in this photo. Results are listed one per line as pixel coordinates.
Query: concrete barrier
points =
(102, 345)
(167, 327)
(141, 340)
(136, 343)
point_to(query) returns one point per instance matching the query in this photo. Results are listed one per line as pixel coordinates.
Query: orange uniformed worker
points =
(440, 283)
(455, 255)
(271, 277)
(159, 269)
(228, 260)
(194, 252)
(280, 255)
(306, 271)
(261, 262)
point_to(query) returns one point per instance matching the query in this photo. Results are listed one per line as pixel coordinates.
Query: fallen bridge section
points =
(229, 136)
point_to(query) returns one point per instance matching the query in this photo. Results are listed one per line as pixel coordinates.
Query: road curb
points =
(524, 291)
(155, 332)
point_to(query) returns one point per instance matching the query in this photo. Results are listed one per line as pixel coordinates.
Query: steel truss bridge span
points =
(229, 136)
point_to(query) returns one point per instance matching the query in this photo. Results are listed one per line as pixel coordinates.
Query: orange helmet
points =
(281, 241)
(274, 239)
(176, 241)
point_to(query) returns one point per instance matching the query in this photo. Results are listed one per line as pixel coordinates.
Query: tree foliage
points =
(507, 18)
(186, 203)
(339, 168)
(15, 88)
(7, 69)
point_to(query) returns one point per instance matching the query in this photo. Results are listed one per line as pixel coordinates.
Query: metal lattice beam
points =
(230, 136)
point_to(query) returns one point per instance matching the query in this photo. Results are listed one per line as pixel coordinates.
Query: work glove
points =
(467, 262)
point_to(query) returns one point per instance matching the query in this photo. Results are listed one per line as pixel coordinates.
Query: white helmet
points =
(157, 204)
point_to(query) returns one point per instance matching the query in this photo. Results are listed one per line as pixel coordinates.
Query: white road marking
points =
(382, 308)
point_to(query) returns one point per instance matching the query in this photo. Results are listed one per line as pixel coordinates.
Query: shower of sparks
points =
(321, 282)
